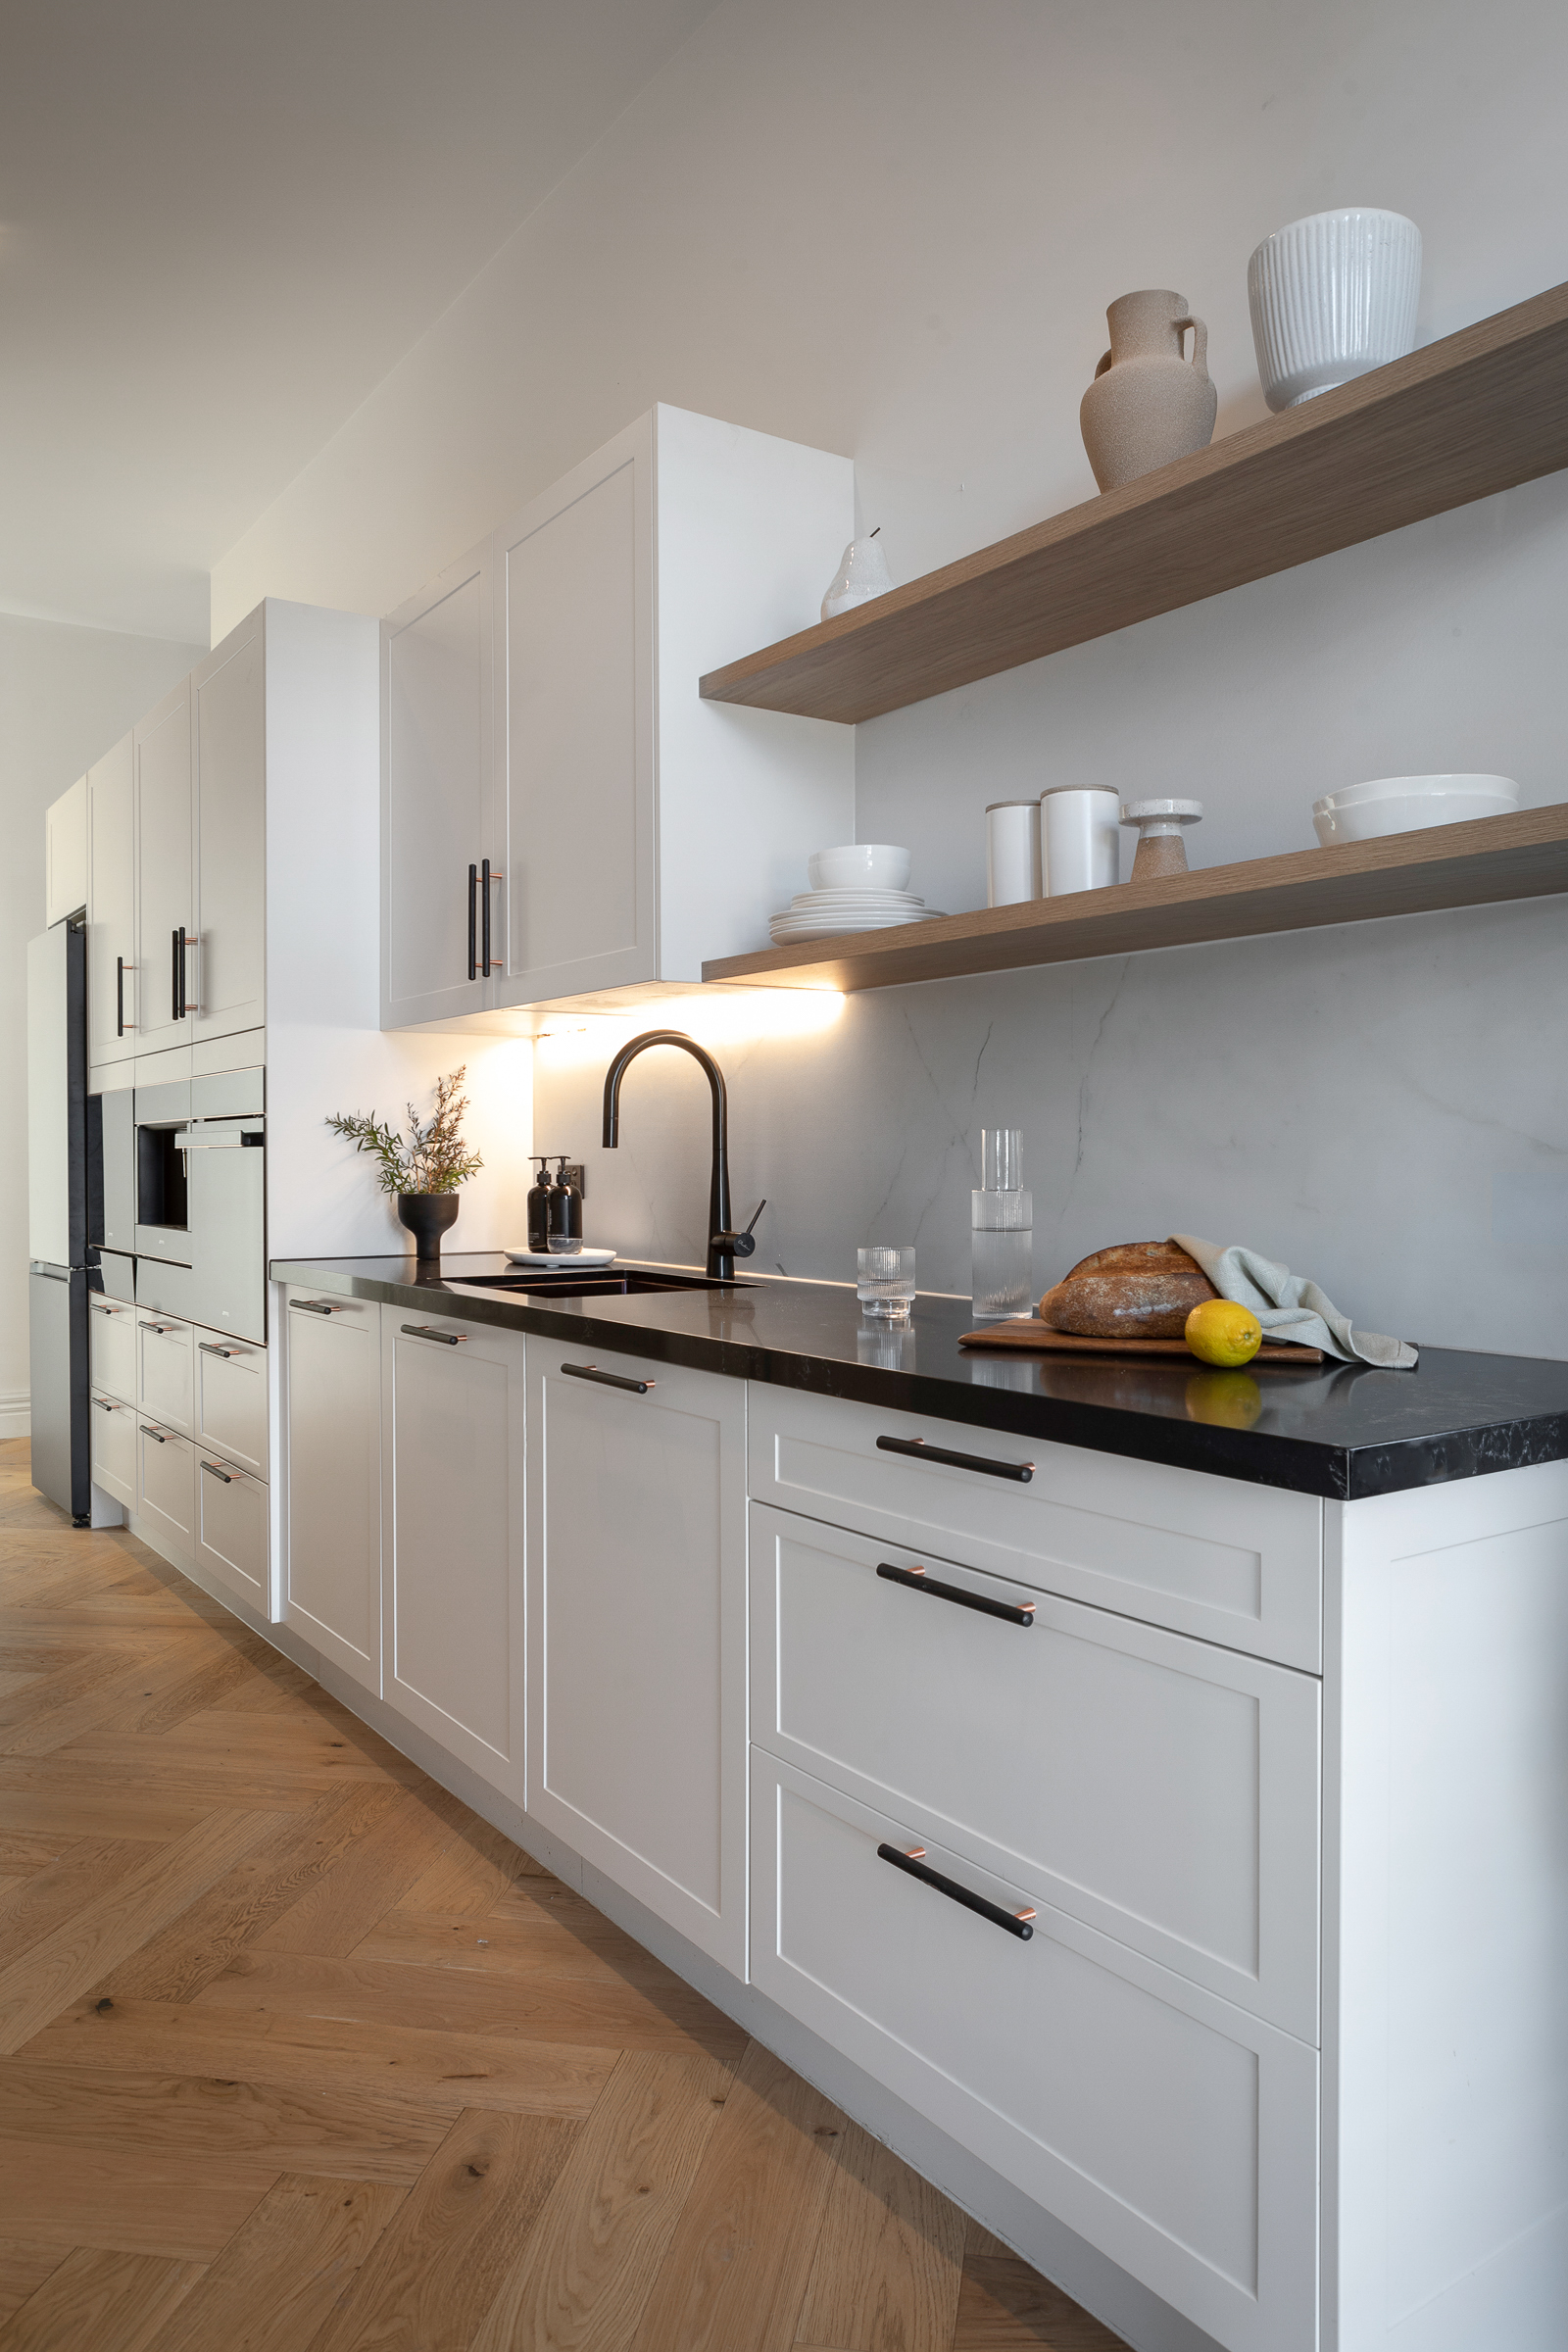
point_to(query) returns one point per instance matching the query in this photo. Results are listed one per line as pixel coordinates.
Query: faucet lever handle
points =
(740, 1244)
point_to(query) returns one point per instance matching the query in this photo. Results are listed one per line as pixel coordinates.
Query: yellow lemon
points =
(1222, 1332)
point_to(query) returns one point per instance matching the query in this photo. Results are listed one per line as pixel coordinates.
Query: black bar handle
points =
(1023, 1472)
(1016, 1923)
(484, 918)
(174, 974)
(213, 1471)
(103, 1405)
(474, 917)
(608, 1380)
(312, 1306)
(156, 1436)
(423, 1330)
(208, 1348)
(917, 1581)
(160, 1328)
(119, 996)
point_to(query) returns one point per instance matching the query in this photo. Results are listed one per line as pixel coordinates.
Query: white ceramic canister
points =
(1080, 844)
(1013, 852)
(1333, 297)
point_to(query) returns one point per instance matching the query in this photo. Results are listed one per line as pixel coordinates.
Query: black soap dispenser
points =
(565, 1215)
(539, 1193)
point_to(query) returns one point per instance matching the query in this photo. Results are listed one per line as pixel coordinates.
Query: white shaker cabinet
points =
(452, 1587)
(637, 1630)
(436, 787)
(333, 1557)
(166, 895)
(226, 981)
(629, 828)
(114, 983)
(66, 854)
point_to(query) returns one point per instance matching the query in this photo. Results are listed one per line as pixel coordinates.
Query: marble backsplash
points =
(1382, 1105)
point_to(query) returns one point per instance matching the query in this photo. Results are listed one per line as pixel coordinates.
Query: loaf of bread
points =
(1133, 1290)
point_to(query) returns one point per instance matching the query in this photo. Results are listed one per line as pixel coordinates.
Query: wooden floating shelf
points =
(1476, 412)
(1520, 855)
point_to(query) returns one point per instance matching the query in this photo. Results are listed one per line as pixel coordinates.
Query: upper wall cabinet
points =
(66, 854)
(561, 815)
(165, 894)
(114, 984)
(228, 813)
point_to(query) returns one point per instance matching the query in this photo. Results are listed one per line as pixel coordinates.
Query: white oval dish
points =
(1408, 805)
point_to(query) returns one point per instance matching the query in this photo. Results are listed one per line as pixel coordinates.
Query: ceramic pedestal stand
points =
(1160, 846)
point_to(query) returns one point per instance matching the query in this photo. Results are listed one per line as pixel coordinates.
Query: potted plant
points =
(424, 1169)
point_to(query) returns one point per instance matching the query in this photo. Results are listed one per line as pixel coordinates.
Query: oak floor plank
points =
(208, 1936)
(24, 2265)
(101, 2301)
(47, 1898)
(98, 1809)
(30, 1711)
(170, 1760)
(889, 2257)
(336, 1913)
(451, 2069)
(330, 1741)
(473, 1873)
(439, 2264)
(582, 2280)
(280, 1684)
(23, 1851)
(555, 2009)
(145, 1668)
(1005, 2306)
(40, 1981)
(277, 2281)
(186, 2207)
(512, 1945)
(200, 1686)
(386, 2131)
(740, 2259)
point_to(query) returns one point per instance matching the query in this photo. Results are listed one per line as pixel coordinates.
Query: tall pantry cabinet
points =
(563, 817)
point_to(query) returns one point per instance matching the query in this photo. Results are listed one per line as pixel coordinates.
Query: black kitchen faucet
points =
(724, 1246)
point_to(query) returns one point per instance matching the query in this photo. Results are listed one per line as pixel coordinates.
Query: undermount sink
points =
(608, 1284)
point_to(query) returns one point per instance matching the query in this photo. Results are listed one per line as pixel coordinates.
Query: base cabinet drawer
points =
(231, 1528)
(1230, 1562)
(165, 1375)
(1161, 1789)
(166, 1487)
(114, 1448)
(1171, 2130)
(230, 1379)
(112, 1348)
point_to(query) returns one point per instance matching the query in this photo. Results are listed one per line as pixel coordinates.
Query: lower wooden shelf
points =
(1521, 856)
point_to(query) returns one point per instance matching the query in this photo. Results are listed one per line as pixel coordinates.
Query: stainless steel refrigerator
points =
(56, 1218)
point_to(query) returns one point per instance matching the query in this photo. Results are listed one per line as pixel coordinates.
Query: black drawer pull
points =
(157, 1438)
(1016, 1923)
(313, 1307)
(1023, 1472)
(213, 1471)
(162, 1329)
(608, 1380)
(103, 1405)
(209, 1347)
(423, 1330)
(917, 1581)
(102, 1310)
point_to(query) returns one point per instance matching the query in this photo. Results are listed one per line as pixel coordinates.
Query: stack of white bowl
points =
(1406, 803)
(860, 887)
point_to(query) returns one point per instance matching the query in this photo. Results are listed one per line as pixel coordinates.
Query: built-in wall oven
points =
(198, 1181)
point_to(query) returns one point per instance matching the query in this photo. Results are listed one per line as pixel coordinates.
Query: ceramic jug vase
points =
(1148, 402)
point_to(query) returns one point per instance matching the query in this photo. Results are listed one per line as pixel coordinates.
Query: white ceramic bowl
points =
(1333, 297)
(1406, 803)
(860, 864)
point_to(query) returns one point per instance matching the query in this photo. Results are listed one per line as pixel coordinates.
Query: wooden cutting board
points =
(1037, 1338)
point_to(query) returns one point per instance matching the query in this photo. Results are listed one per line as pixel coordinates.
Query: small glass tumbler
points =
(885, 1281)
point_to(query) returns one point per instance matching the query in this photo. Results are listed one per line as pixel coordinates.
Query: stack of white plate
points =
(1406, 803)
(824, 913)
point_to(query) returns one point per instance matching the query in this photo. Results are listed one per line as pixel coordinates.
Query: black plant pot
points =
(427, 1217)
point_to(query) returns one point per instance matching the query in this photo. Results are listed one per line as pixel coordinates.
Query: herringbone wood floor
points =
(299, 2055)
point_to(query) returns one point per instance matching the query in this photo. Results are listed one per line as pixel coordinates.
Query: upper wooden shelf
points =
(1475, 414)
(1522, 855)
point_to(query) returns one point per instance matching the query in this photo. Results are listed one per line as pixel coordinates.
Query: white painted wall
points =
(891, 227)
(66, 694)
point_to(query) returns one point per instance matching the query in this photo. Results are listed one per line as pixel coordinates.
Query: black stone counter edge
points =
(1341, 1474)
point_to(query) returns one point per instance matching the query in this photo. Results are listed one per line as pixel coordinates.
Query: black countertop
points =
(1346, 1431)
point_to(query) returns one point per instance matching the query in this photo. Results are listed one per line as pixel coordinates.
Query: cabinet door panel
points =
(231, 1400)
(435, 753)
(332, 1586)
(166, 1492)
(575, 585)
(231, 1528)
(165, 1381)
(454, 1514)
(1163, 1790)
(637, 1633)
(114, 984)
(1172, 2131)
(112, 1348)
(66, 854)
(164, 882)
(114, 1448)
(228, 972)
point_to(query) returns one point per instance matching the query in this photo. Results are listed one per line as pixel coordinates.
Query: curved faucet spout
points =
(720, 1240)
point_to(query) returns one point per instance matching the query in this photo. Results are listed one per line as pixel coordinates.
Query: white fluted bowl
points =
(860, 865)
(1333, 297)
(1407, 804)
